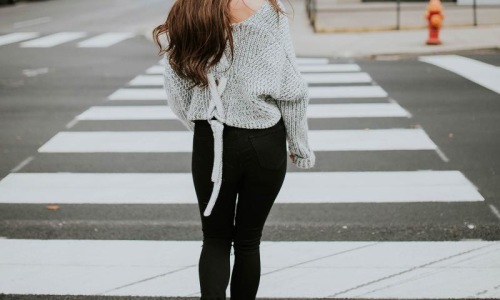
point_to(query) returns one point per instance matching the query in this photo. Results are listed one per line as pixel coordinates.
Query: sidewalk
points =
(357, 16)
(290, 269)
(356, 44)
(391, 42)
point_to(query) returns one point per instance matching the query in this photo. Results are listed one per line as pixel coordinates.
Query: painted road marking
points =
(357, 110)
(299, 187)
(318, 78)
(314, 111)
(147, 80)
(330, 68)
(53, 40)
(290, 269)
(329, 92)
(139, 94)
(476, 71)
(181, 141)
(158, 69)
(17, 37)
(105, 40)
(148, 112)
(312, 60)
(311, 78)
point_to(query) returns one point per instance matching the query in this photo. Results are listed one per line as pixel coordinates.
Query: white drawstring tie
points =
(216, 110)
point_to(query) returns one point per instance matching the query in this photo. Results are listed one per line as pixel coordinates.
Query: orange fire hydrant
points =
(434, 16)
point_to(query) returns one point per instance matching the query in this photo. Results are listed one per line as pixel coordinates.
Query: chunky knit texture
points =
(263, 84)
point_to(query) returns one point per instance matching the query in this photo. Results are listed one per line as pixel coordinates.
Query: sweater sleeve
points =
(292, 99)
(178, 94)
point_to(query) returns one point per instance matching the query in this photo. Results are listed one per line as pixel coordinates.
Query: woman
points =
(231, 77)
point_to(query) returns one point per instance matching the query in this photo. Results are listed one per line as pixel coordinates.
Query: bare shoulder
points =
(243, 9)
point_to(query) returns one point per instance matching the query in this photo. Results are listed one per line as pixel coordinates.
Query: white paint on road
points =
(155, 70)
(181, 141)
(330, 68)
(35, 72)
(476, 71)
(495, 211)
(325, 78)
(356, 110)
(314, 111)
(17, 37)
(105, 40)
(53, 40)
(22, 164)
(139, 94)
(330, 92)
(147, 80)
(290, 269)
(298, 187)
(312, 60)
(147, 112)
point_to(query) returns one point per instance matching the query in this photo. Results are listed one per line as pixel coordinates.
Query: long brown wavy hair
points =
(197, 30)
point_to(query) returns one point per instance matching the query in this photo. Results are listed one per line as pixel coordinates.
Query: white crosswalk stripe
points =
(329, 68)
(330, 92)
(36, 40)
(476, 71)
(139, 94)
(105, 40)
(53, 40)
(17, 37)
(181, 141)
(312, 61)
(299, 187)
(314, 111)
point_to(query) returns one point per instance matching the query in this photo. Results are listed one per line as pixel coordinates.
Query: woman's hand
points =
(292, 158)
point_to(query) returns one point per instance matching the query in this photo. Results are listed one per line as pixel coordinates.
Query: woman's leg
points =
(263, 176)
(214, 262)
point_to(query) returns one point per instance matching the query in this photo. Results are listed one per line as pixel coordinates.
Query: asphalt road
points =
(42, 90)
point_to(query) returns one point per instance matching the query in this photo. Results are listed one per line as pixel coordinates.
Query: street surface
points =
(96, 196)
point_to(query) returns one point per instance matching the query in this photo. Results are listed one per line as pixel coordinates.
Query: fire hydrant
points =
(434, 16)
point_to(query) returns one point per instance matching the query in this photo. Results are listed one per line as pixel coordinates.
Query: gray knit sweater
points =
(263, 84)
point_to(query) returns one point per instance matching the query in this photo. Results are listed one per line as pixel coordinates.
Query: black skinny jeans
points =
(254, 168)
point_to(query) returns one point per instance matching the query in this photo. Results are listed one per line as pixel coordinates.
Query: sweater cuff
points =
(305, 162)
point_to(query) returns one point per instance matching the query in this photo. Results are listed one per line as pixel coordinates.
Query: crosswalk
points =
(306, 269)
(39, 40)
(479, 72)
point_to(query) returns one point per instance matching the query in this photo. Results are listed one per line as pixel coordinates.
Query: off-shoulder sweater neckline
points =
(260, 10)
